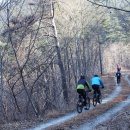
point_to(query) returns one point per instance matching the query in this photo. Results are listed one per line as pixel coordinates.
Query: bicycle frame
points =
(97, 99)
(80, 103)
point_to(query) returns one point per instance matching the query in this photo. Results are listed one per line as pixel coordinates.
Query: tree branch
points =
(109, 7)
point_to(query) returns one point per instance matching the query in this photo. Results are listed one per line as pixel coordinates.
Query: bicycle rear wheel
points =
(79, 107)
(87, 103)
(100, 99)
(94, 101)
(118, 81)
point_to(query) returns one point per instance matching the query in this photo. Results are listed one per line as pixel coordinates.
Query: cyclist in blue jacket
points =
(96, 82)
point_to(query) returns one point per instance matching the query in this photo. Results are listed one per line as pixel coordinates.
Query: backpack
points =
(118, 74)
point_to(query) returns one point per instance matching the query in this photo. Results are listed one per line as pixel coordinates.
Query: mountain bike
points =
(97, 99)
(118, 80)
(80, 103)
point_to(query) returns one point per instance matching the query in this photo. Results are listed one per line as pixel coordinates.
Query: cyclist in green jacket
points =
(81, 88)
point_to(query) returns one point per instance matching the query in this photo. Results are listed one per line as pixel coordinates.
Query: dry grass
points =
(81, 118)
(54, 113)
(109, 83)
(121, 121)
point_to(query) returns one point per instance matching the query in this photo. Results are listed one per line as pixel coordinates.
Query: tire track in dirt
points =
(108, 115)
(79, 122)
(60, 120)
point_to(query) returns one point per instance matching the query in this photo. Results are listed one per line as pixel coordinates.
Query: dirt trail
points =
(96, 115)
(67, 117)
(106, 116)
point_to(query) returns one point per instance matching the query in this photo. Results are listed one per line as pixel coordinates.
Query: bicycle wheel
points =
(118, 81)
(94, 101)
(87, 103)
(79, 107)
(100, 99)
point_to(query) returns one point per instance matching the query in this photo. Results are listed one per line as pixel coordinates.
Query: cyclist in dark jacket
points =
(118, 76)
(81, 88)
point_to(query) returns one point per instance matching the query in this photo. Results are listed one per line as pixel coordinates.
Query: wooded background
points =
(45, 45)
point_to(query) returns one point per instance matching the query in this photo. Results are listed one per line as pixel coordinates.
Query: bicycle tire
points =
(100, 99)
(118, 81)
(87, 103)
(94, 101)
(79, 107)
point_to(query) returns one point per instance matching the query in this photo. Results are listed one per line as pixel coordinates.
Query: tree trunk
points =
(100, 58)
(17, 61)
(60, 63)
(1, 82)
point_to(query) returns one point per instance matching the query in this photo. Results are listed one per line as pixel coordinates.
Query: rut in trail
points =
(106, 116)
(74, 114)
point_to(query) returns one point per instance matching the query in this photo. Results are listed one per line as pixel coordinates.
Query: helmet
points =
(96, 75)
(82, 77)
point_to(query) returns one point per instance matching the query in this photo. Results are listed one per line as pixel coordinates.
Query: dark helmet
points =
(82, 77)
(96, 75)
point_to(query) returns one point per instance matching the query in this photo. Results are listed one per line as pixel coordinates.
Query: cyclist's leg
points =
(82, 93)
(99, 93)
(79, 92)
(94, 88)
(94, 95)
(118, 80)
(84, 96)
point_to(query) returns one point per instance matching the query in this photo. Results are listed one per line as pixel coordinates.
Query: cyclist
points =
(96, 82)
(81, 88)
(118, 76)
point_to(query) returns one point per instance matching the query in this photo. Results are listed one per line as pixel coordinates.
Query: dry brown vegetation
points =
(109, 83)
(45, 45)
(84, 117)
(81, 118)
(119, 122)
(109, 87)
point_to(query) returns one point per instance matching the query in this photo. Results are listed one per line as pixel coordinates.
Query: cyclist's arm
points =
(101, 83)
(88, 86)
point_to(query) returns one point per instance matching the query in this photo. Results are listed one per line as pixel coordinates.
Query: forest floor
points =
(78, 121)
(101, 114)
